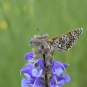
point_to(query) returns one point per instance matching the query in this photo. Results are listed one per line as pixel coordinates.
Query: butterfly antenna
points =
(39, 30)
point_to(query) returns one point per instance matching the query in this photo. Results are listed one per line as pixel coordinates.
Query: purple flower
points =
(31, 75)
(30, 81)
(28, 69)
(29, 56)
(36, 73)
(59, 74)
(38, 68)
(65, 65)
(65, 77)
(58, 68)
(55, 82)
(27, 81)
(41, 70)
(37, 83)
(39, 63)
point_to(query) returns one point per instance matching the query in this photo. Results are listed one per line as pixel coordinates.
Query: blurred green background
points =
(18, 22)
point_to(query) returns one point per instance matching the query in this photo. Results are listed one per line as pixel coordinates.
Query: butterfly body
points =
(65, 41)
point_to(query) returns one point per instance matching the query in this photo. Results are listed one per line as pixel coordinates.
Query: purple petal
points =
(58, 65)
(27, 76)
(27, 83)
(27, 69)
(61, 82)
(24, 83)
(53, 80)
(58, 71)
(31, 42)
(29, 56)
(39, 63)
(37, 83)
(57, 68)
(66, 65)
(56, 86)
(30, 65)
(36, 73)
(51, 61)
(67, 78)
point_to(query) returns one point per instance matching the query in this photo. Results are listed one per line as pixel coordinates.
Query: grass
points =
(18, 21)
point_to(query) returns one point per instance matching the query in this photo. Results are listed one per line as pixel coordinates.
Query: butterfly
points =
(66, 41)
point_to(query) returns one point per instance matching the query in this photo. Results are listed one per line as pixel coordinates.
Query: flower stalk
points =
(41, 70)
(46, 76)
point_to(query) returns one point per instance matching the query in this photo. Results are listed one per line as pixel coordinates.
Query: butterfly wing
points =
(66, 41)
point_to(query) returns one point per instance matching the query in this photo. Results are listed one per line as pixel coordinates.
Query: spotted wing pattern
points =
(66, 41)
